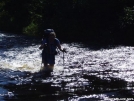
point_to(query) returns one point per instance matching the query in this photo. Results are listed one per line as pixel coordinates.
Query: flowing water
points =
(84, 74)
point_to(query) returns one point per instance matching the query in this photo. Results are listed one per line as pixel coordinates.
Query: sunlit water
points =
(81, 74)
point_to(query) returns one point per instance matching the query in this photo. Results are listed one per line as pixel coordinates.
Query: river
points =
(84, 74)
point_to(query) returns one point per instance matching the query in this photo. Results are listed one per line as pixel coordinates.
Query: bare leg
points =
(51, 67)
(43, 68)
(45, 65)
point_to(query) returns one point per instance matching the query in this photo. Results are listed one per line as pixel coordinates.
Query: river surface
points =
(84, 73)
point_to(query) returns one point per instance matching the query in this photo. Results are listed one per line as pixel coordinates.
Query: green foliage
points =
(128, 18)
(31, 29)
(127, 24)
(90, 19)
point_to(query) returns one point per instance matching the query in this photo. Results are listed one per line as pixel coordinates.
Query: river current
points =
(84, 73)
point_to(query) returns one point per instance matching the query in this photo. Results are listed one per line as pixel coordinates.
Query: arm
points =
(43, 44)
(59, 47)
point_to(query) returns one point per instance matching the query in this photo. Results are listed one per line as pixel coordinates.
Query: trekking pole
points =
(63, 64)
(41, 67)
(63, 55)
(63, 59)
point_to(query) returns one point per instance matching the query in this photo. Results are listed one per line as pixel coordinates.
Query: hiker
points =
(49, 45)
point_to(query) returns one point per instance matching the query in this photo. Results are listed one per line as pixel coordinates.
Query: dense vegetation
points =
(104, 21)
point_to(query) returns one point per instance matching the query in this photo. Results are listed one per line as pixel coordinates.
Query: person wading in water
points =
(49, 45)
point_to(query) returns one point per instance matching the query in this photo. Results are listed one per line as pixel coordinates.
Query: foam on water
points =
(28, 58)
(115, 62)
(23, 59)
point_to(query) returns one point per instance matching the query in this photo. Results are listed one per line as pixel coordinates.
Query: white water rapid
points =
(116, 62)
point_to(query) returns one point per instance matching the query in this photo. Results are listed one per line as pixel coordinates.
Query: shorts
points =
(48, 58)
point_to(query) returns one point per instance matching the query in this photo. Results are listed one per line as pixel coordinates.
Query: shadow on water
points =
(40, 87)
(32, 86)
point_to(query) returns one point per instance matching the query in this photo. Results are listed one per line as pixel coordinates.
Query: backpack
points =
(55, 43)
(47, 32)
(45, 36)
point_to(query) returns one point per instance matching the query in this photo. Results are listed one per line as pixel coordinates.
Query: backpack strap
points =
(47, 48)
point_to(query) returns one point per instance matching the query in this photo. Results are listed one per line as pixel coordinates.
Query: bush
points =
(31, 29)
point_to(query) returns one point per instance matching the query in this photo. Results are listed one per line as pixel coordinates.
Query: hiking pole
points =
(41, 66)
(64, 51)
(63, 59)
(63, 63)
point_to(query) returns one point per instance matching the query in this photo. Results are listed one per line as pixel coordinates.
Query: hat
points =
(48, 31)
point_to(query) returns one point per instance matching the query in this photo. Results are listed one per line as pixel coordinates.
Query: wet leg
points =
(51, 67)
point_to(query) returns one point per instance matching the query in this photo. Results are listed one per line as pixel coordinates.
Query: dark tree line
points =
(95, 20)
